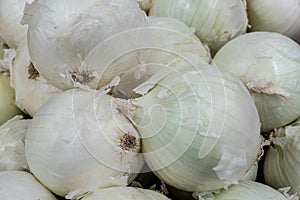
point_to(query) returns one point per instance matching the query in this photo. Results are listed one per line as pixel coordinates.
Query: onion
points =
(269, 65)
(62, 33)
(31, 90)
(78, 142)
(197, 122)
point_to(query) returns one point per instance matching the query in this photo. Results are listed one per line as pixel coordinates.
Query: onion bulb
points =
(125, 193)
(269, 65)
(216, 22)
(27, 82)
(78, 141)
(275, 16)
(22, 185)
(197, 122)
(8, 109)
(11, 30)
(282, 162)
(12, 148)
(62, 33)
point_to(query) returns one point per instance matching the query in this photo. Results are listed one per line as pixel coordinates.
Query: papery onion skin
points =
(249, 190)
(22, 185)
(282, 163)
(275, 16)
(125, 193)
(195, 122)
(216, 22)
(8, 109)
(76, 144)
(62, 33)
(269, 65)
(12, 148)
(11, 30)
(27, 82)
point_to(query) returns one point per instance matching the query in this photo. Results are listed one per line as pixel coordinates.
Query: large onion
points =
(78, 142)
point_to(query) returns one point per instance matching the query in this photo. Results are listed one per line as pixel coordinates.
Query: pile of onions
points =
(149, 99)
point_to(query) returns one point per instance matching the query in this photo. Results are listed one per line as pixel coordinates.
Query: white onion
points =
(275, 16)
(22, 185)
(8, 109)
(269, 65)
(282, 163)
(78, 141)
(216, 21)
(31, 90)
(197, 122)
(12, 148)
(11, 30)
(62, 33)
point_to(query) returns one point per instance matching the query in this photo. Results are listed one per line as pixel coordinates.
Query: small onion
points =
(282, 162)
(197, 122)
(125, 193)
(11, 30)
(269, 65)
(275, 16)
(216, 21)
(22, 185)
(62, 33)
(27, 82)
(12, 148)
(78, 141)
(8, 109)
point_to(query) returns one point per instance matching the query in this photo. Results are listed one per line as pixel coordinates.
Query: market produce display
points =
(149, 99)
